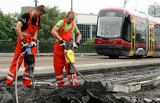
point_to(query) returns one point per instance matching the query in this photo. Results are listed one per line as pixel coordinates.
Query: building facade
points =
(27, 9)
(87, 24)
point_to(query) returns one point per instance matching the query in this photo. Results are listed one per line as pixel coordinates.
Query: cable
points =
(16, 93)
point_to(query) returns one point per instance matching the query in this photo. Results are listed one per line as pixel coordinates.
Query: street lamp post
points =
(125, 2)
(36, 1)
(71, 5)
(154, 8)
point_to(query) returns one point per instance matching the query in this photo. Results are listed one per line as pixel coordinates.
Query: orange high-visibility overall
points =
(28, 35)
(59, 57)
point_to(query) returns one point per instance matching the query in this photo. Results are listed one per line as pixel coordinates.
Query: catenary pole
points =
(36, 1)
(71, 5)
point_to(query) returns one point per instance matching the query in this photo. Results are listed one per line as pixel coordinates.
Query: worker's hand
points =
(76, 44)
(24, 43)
(34, 42)
(62, 42)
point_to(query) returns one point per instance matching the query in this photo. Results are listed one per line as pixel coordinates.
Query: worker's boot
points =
(9, 82)
(27, 82)
(10, 78)
(60, 84)
(72, 78)
(74, 84)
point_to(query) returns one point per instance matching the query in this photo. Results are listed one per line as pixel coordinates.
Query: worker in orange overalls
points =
(63, 31)
(26, 29)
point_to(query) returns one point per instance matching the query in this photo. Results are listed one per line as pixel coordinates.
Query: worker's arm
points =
(78, 34)
(19, 33)
(34, 42)
(18, 30)
(35, 34)
(54, 32)
(79, 37)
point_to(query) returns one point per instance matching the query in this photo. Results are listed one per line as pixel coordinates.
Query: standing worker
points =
(63, 31)
(26, 29)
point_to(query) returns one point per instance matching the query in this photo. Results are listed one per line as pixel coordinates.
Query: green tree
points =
(9, 21)
(89, 42)
(154, 10)
(12, 35)
(7, 26)
(4, 30)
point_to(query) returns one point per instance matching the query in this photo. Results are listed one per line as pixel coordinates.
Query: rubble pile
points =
(87, 93)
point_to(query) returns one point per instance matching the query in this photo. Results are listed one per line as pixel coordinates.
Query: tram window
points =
(110, 13)
(126, 30)
(113, 14)
(157, 35)
(109, 26)
(141, 32)
(139, 38)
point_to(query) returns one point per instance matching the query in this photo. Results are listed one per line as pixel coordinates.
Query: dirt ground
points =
(87, 92)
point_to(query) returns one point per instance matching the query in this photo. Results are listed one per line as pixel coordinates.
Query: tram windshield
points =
(109, 26)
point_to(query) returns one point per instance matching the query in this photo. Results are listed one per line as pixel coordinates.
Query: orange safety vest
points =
(31, 29)
(66, 35)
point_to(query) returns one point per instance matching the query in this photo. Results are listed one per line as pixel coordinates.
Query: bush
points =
(89, 42)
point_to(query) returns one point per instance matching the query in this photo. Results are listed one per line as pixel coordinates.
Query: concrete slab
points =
(132, 86)
(127, 88)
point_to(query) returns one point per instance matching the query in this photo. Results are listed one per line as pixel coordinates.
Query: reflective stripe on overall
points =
(59, 58)
(31, 29)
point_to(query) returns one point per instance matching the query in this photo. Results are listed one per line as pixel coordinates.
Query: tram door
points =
(150, 42)
(133, 36)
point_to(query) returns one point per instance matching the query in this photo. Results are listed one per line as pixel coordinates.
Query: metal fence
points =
(8, 47)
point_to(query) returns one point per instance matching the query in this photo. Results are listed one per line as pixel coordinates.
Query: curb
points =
(133, 86)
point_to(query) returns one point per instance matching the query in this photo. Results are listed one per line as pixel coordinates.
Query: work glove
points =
(24, 43)
(76, 44)
(62, 42)
(34, 42)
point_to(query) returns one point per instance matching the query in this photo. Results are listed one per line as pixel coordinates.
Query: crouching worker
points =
(63, 31)
(26, 29)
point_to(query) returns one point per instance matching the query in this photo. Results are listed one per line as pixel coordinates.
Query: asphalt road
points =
(42, 61)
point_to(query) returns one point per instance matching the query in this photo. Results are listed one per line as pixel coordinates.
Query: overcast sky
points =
(79, 6)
